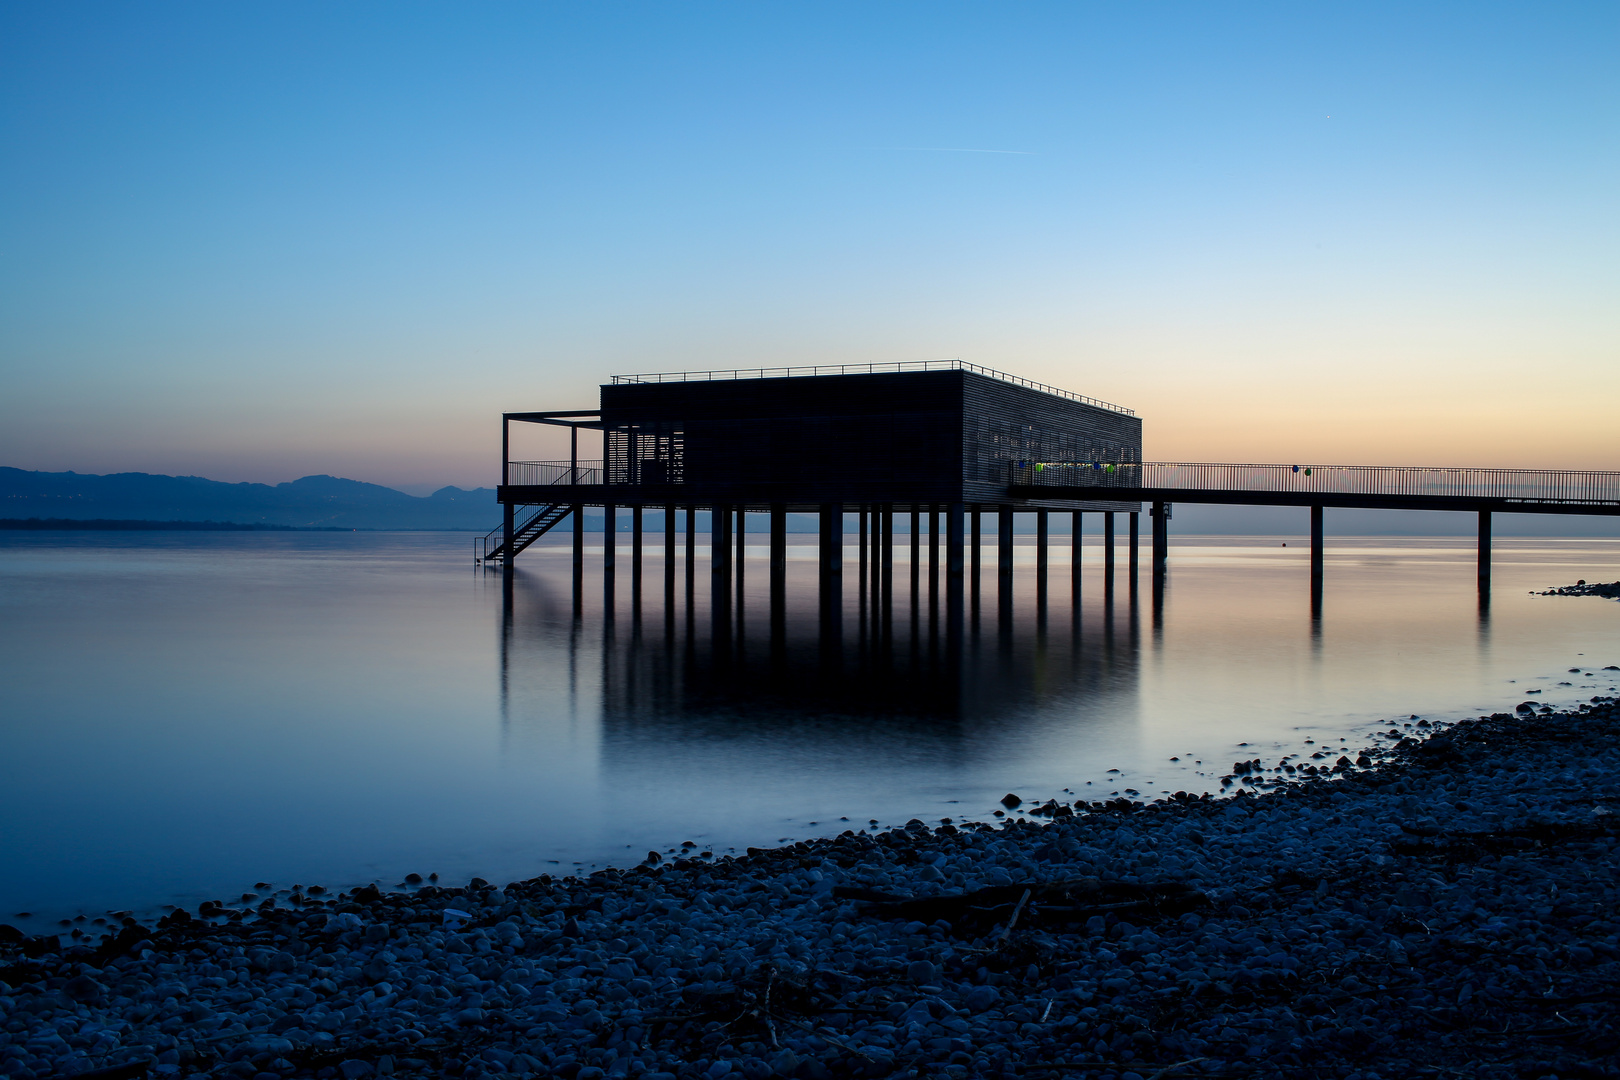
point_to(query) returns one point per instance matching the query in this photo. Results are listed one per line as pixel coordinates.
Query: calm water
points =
(183, 715)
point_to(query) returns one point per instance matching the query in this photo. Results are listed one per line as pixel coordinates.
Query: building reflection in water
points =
(910, 676)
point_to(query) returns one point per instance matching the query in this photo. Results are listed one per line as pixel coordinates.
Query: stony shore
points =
(1445, 906)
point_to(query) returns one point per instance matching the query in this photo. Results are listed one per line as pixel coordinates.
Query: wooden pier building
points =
(941, 439)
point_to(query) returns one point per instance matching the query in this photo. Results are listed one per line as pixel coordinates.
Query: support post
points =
(955, 514)
(1484, 550)
(954, 520)
(1316, 561)
(1042, 536)
(578, 512)
(635, 554)
(1160, 514)
(742, 548)
(1108, 548)
(876, 558)
(778, 554)
(975, 553)
(1136, 542)
(1076, 534)
(933, 553)
(610, 553)
(861, 513)
(1004, 557)
(720, 566)
(691, 554)
(916, 553)
(508, 532)
(778, 575)
(886, 567)
(669, 558)
(832, 564)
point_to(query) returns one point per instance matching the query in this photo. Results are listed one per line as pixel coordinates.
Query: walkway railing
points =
(546, 473)
(864, 369)
(1528, 485)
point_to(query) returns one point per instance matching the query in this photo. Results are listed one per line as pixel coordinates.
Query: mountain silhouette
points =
(309, 502)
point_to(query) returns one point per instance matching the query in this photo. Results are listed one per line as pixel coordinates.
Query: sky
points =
(259, 241)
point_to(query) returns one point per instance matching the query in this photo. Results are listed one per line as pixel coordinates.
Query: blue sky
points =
(257, 241)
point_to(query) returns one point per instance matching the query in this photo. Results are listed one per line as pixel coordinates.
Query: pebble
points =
(1449, 909)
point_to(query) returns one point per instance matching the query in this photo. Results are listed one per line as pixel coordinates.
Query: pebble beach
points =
(1444, 904)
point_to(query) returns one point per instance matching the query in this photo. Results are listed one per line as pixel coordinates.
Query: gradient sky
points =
(256, 241)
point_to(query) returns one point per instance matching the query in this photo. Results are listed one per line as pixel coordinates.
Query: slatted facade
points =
(929, 437)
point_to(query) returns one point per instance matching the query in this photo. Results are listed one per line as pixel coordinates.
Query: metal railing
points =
(1524, 485)
(802, 371)
(546, 473)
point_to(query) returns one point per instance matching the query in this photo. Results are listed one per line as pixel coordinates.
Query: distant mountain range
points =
(312, 502)
(316, 502)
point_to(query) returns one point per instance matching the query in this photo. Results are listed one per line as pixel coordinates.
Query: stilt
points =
(876, 540)
(955, 515)
(778, 574)
(861, 514)
(778, 553)
(691, 555)
(1004, 558)
(1076, 534)
(975, 554)
(1484, 551)
(669, 561)
(933, 552)
(635, 556)
(1042, 535)
(1316, 562)
(742, 549)
(508, 531)
(579, 557)
(954, 521)
(610, 556)
(720, 568)
(1160, 515)
(1136, 542)
(1108, 549)
(886, 569)
(916, 555)
(832, 565)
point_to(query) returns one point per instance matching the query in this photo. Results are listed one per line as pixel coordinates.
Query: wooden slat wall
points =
(896, 437)
(1003, 422)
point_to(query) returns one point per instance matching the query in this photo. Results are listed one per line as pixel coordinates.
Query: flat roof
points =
(804, 371)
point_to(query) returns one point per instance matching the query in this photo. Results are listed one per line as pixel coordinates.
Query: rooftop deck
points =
(886, 367)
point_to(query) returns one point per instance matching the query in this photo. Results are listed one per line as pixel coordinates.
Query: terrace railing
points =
(1521, 485)
(801, 371)
(546, 473)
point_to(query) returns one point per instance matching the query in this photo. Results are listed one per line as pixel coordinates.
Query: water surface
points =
(185, 715)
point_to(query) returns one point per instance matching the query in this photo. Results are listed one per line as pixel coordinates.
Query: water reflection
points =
(682, 669)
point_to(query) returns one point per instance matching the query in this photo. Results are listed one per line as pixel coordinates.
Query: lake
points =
(188, 714)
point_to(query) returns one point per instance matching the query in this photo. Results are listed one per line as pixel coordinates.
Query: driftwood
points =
(1069, 900)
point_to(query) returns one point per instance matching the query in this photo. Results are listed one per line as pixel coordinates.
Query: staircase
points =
(493, 543)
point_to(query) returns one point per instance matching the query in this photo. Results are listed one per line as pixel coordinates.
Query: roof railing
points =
(801, 371)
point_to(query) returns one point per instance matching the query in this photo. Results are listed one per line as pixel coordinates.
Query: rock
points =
(981, 998)
(82, 988)
(1011, 801)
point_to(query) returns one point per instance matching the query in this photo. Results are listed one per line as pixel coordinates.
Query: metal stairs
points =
(493, 543)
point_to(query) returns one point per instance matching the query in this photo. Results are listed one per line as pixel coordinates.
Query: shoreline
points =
(1449, 907)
